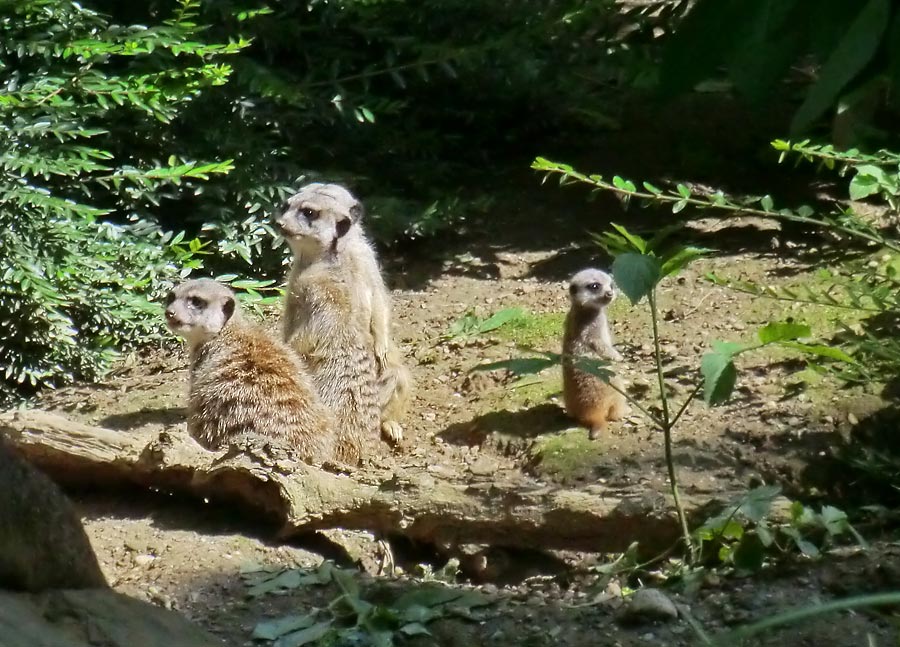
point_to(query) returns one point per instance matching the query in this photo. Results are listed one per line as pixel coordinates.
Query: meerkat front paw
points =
(381, 355)
(614, 355)
(392, 432)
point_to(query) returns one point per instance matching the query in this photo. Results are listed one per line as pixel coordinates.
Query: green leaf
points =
(758, 502)
(765, 536)
(519, 365)
(782, 331)
(728, 348)
(304, 636)
(289, 579)
(834, 520)
(427, 596)
(681, 258)
(272, 629)
(346, 581)
(766, 203)
(731, 530)
(854, 50)
(803, 545)
(415, 629)
(638, 243)
(636, 275)
(820, 351)
(498, 319)
(867, 181)
(719, 377)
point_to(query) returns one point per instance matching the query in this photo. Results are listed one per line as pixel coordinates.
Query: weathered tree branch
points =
(419, 504)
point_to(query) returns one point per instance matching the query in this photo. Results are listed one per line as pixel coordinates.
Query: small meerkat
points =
(42, 542)
(353, 255)
(588, 399)
(319, 323)
(243, 382)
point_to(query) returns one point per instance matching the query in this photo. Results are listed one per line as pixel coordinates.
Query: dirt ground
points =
(779, 428)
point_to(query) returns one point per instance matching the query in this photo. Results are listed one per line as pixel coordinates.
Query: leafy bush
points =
(748, 530)
(853, 46)
(85, 108)
(403, 101)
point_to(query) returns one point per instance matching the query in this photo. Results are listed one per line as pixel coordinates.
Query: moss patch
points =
(543, 331)
(566, 456)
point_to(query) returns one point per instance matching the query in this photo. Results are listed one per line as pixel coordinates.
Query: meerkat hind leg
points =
(619, 409)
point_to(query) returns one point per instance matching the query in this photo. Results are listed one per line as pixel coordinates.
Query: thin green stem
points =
(652, 417)
(765, 294)
(795, 615)
(657, 356)
(725, 206)
(685, 404)
(667, 430)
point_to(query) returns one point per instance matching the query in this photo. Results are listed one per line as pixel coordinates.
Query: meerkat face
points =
(198, 310)
(314, 220)
(592, 289)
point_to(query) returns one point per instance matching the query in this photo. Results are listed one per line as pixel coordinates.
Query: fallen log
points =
(421, 503)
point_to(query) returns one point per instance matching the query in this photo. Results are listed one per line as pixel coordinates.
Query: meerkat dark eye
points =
(594, 287)
(309, 214)
(196, 302)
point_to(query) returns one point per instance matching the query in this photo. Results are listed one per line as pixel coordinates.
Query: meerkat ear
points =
(342, 226)
(357, 212)
(228, 308)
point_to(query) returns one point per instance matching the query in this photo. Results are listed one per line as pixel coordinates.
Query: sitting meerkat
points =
(42, 542)
(320, 324)
(242, 381)
(588, 399)
(353, 256)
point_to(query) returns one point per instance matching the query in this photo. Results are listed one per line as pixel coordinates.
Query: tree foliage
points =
(84, 105)
(853, 48)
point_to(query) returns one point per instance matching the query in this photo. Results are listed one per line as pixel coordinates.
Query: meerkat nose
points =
(281, 226)
(171, 317)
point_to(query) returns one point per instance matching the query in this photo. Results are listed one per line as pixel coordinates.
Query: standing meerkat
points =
(42, 542)
(243, 382)
(333, 207)
(320, 323)
(588, 399)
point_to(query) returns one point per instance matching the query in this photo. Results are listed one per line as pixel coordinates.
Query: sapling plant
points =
(639, 267)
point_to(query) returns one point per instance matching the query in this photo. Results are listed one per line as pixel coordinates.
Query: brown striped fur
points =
(317, 325)
(243, 381)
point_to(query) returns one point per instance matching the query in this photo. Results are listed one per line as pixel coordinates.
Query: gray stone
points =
(648, 605)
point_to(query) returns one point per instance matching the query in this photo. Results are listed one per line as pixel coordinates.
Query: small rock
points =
(852, 419)
(143, 560)
(484, 466)
(648, 605)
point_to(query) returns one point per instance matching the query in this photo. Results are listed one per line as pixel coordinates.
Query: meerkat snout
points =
(592, 288)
